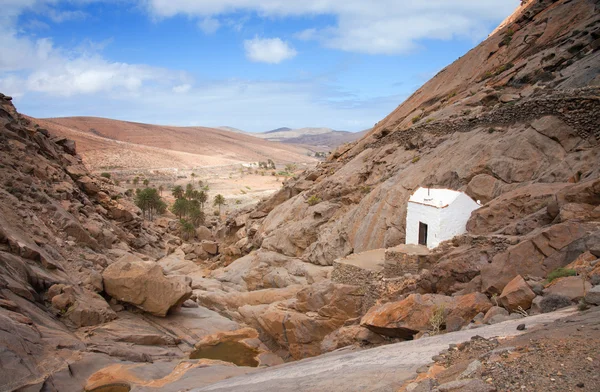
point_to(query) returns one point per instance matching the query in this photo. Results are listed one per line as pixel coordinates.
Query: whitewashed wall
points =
(429, 215)
(453, 220)
(443, 223)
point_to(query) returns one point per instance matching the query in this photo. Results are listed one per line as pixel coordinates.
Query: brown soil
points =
(560, 356)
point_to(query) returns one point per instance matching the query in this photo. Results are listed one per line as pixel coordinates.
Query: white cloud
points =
(382, 26)
(209, 25)
(268, 50)
(306, 35)
(182, 88)
(63, 16)
(36, 65)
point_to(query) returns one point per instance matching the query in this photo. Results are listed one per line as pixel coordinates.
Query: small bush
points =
(415, 119)
(313, 200)
(105, 175)
(365, 189)
(437, 319)
(491, 130)
(560, 273)
(429, 120)
(583, 305)
(416, 159)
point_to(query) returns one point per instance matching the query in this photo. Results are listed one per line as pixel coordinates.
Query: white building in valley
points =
(436, 215)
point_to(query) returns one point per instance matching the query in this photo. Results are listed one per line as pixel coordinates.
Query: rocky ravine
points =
(92, 296)
(513, 123)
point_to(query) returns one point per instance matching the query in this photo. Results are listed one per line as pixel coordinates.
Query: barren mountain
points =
(121, 144)
(315, 139)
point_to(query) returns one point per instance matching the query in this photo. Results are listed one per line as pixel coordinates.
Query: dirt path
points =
(379, 369)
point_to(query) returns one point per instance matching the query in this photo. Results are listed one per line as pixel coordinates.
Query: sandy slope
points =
(112, 144)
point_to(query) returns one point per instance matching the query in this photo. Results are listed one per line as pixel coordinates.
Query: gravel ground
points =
(558, 356)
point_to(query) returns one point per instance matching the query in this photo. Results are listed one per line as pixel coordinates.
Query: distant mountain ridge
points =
(315, 139)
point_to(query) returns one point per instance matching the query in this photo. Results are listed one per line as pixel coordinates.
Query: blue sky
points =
(251, 64)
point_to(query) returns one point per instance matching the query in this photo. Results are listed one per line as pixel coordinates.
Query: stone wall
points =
(578, 108)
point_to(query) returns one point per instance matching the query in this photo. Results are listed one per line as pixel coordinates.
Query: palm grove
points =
(188, 206)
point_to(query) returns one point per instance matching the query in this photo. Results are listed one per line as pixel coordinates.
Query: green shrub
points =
(416, 159)
(415, 119)
(560, 273)
(313, 200)
(105, 175)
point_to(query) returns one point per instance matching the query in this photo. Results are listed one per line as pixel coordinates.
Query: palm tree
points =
(201, 197)
(180, 208)
(177, 192)
(197, 217)
(219, 201)
(193, 176)
(187, 229)
(149, 201)
(189, 191)
(161, 189)
(136, 180)
(146, 182)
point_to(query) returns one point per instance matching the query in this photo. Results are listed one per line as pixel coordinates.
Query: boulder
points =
(300, 325)
(550, 303)
(403, 319)
(551, 248)
(505, 98)
(210, 247)
(348, 336)
(494, 311)
(516, 294)
(143, 284)
(482, 187)
(593, 296)
(88, 185)
(203, 233)
(572, 287)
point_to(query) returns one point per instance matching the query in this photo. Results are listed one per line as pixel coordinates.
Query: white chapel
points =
(436, 215)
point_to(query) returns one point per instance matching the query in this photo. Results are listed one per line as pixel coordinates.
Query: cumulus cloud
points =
(383, 26)
(30, 64)
(268, 50)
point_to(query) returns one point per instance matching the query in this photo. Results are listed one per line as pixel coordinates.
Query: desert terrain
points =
(308, 283)
(166, 156)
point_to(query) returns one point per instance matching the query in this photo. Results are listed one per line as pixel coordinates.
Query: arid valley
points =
(453, 246)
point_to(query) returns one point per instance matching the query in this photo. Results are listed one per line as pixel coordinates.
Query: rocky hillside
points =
(517, 112)
(513, 123)
(80, 287)
(92, 296)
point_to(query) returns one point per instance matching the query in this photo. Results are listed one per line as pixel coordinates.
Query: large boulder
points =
(572, 287)
(143, 284)
(593, 296)
(405, 318)
(300, 325)
(551, 248)
(517, 294)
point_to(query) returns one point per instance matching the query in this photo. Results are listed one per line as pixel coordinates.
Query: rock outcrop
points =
(143, 284)
(418, 313)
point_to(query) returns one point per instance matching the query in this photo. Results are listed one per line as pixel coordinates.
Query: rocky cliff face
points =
(513, 123)
(60, 227)
(518, 110)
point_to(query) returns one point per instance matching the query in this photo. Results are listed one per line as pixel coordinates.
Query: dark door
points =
(422, 234)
